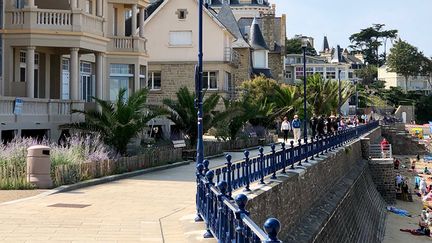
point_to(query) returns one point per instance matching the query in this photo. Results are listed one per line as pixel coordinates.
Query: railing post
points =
(312, 148)
(222, 186)
(306, 150)
(247, 177)
(273, 161)
(272, 228)
(322, 143)
(209, 176)
(283, 158)
(292, 155)
(229, 164)
(200, 191)
(300, 152)
(261, 162)
(206, 166)
(241, 201)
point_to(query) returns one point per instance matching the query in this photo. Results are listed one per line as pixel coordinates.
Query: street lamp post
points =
(199, 87)
(339, 92)
(304, 46)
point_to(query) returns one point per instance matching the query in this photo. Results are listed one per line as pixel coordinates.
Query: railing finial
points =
(272, 228)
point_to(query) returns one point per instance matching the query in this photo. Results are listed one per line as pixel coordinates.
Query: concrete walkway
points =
(155, 207)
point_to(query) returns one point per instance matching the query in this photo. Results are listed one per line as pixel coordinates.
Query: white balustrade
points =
(17, 17)
(54, 18)
(40, 110)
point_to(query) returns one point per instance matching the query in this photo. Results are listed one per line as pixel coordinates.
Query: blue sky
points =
(338, 19)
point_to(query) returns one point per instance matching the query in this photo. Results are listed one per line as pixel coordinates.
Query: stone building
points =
(234, 51)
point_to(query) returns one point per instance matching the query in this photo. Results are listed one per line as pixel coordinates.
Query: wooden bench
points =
(186, 153)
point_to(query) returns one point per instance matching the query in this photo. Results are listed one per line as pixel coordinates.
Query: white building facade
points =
(58, 54)
(416, 83)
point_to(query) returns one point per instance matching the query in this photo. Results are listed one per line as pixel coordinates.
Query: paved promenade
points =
(155, 207)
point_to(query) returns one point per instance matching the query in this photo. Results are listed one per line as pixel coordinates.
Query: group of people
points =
(319, 125)
(421, 189)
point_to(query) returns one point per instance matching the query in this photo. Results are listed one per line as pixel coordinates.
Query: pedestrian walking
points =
(313, 125)
(285, 128)
(321, 126)
(296, 127)
(329, 125)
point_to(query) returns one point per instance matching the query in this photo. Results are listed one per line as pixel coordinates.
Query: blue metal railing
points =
(227, 219)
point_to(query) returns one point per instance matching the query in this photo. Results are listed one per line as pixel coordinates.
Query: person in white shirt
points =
(285, 128)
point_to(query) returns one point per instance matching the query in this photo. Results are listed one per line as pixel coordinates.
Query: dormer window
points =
(260, 1)
(181, 14)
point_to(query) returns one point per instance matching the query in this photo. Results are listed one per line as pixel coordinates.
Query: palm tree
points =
(286, 101)
(184, 113)
(323, 95)
(119, 121)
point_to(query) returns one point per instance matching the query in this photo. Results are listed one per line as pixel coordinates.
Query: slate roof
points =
(237, 2)
(226, 17)
(152, 7)
(246, 21)
(256, 39)
(325, 44)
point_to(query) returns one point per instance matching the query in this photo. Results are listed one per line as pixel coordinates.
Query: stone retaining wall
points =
(383, 175)
(291, 198)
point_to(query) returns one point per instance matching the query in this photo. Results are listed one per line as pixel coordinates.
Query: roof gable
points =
(162, 3)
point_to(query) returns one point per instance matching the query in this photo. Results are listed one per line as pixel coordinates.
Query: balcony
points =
(54, 20)
(231, 56)
(127, 44)
(39, 111)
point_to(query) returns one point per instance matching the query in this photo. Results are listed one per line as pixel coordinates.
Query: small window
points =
(181, 13)
(155, 80)
(22, 57)
(210, 80)
(288, 74)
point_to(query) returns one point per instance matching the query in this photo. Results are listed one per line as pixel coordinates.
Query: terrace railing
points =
(225, 218)
(378, 151)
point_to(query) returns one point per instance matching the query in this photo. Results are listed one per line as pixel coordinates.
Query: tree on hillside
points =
(367, 74)
(294, 46)
(405, 60)
(369, 40)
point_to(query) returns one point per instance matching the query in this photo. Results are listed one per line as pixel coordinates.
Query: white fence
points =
(378, 151)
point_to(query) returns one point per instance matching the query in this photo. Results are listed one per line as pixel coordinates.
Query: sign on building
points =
(18, 106)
